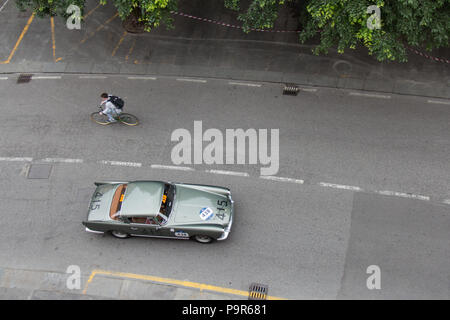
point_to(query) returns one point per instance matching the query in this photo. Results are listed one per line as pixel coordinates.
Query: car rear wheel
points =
(120, 234)
(203, 239)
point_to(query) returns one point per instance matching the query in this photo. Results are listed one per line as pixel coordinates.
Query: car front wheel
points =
(203, 239)
(119, 234)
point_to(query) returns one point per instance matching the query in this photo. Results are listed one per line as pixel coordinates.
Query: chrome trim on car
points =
(227, 230)
(89, 230)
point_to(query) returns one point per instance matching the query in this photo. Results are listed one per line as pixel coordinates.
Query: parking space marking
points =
(118, 44)
(168, 281)
(52, 24)
(24, 31)
(92, 11)
(131, 50)
(99, 28)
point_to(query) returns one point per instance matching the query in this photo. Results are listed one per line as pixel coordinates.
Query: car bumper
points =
(89, 230)
(227, 230)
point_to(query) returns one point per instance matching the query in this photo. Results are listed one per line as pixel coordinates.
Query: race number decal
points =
(206, 214)
(182, 234)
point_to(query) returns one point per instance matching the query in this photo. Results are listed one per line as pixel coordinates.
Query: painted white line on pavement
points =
(446, 201)
(3, 78)
(159, 166)
(62, 160)
(16, 159)
(141, 78)
(281, 179)
(403, 195)
(92, 77)
(308, 89)
(244, 84)
(339, 186)
(369, 95)
(3, 5)
(121, 163)
(229, 173)
(439, 102)
(45, 77)
(191, 80)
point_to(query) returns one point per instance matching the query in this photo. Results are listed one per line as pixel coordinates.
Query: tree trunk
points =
(132, 24)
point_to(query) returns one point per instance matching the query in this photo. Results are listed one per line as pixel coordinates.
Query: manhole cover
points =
(24, 78)
(290, 89)
(258, 291)
(39, 171)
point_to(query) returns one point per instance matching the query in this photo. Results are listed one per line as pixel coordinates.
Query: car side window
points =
(143, 220)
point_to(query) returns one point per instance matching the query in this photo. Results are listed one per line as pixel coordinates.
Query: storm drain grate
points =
(258, 291)
(24, 78)
(291, 89)
(39, 171)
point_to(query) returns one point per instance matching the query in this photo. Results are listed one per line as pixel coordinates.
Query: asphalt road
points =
(375, 175)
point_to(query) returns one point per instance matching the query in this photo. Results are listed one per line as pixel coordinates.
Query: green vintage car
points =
(161, 209)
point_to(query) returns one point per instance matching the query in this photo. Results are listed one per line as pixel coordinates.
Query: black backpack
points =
(118, 102)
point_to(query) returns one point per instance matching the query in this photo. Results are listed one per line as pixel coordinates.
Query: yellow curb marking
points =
(118, 44)
(183, 283)
(24, 31)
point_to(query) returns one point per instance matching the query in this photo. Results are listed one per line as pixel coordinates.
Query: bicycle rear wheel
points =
(99, 118)
(128, 119)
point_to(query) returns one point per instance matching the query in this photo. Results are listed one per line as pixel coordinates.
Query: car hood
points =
(101, 202)
(194, 205)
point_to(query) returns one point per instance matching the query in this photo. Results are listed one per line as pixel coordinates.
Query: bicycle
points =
(123, 117)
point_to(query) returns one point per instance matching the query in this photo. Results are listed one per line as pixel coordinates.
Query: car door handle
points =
(134, 228)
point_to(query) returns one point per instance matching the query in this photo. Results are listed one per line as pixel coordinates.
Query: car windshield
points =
(167, 199)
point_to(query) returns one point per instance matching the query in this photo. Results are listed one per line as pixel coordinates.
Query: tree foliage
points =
(340, 24)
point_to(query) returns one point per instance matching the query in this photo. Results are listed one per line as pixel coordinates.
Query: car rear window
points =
(116, 204)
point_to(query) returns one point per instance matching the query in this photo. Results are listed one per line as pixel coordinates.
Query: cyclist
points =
(109, 108)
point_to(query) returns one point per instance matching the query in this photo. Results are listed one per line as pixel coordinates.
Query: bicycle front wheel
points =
(128, 119)
(99, 118)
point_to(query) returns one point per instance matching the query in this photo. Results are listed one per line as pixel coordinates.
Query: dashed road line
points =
(159, 166)
(121, 163)
(308, 89)
(370, 95)
(403, 195)
(142, 78)
(62, 160)
(244, 84)
(282, 179)
(229, 173)
(439, 102)
(446, 201)
(13, 159)
(92, 77)
(192, 80)
(3, 78)
(45, 77)
(340, 186)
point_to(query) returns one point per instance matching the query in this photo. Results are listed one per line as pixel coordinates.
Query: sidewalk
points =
(204, 49)
(17, 284)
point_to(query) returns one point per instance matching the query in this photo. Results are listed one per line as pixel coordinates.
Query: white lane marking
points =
(3, 78)
(3, 5)
(45, 77)
(121, 163)
(191, 80)
(62, 160)
(282, 179)
(446, 201)
(439, 102)
(308, 89)
(403, 195)
(92, 77)
(230, 173)
(141, 78)
(16, 159)
(339, 186)
(244, 84)
(159, 166)
(369, 95)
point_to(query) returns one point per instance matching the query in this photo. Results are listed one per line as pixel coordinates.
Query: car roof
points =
(142, 199)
